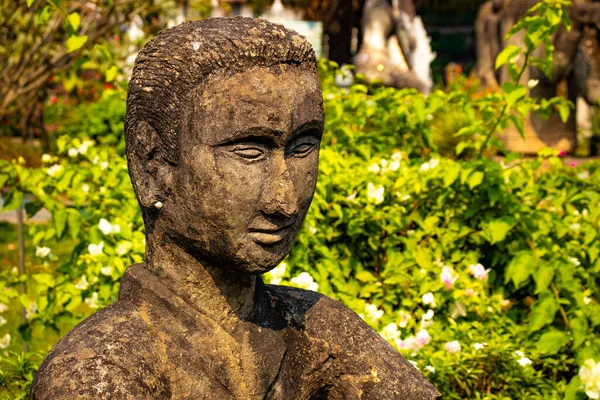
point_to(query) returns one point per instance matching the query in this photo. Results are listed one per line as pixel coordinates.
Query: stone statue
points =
(223, 126)
(576, 67)
(395, 47)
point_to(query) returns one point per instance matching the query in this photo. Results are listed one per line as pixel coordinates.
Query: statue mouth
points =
(268, 237)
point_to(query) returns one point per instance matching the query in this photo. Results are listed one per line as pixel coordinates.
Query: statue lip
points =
(269, 236)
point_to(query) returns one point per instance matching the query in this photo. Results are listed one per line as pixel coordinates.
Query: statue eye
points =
(249, 153)
(303, 149)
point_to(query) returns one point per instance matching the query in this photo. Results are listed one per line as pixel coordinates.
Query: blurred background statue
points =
(395, 47)
(575, 71)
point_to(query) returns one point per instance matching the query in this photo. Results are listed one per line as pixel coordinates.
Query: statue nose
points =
(279, 195)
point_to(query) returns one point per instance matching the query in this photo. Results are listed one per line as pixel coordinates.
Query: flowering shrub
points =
(482, 273)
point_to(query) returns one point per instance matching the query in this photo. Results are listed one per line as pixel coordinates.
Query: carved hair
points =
(179, 59)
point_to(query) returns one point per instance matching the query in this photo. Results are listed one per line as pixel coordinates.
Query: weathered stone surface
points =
(223, 127)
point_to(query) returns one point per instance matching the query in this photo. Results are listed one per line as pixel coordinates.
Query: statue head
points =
(223, 127)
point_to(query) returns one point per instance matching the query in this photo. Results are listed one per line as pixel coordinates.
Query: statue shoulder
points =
(366, 362)
(101, 358)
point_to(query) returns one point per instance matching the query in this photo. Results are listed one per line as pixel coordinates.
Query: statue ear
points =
(151, 171)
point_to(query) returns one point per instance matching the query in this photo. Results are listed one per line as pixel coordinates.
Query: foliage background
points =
(484, 273)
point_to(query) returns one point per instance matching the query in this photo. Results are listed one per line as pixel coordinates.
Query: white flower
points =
(394, 166)
(82, 284)
(519, 354)
(123, 248)
(374, 168)
(524, 361)
(431, 164)
(83, 148)
(96, 249)
(72, 152)
(479, 271)
(375, 194)
(352, 197)
(587, 300)
(574, 261)
(277, 273)
(92, 301)
(430, 369)
(32, 309)
(428, 315)
(584, 174)
(305, 281)
(55, 170)
(42, 252)
(575, 227)
(390, 332)
(106, 271)
(404, 318)
(428, 299)
(403, 198)
(532, 83)
(46, 158)
(478, 346)
(104, 165)
(453, 347)
(85, 188)
(590, 378)
(373, 312)
(397, 156)
(3, 307)
(427, 319)
(5, 341)
(107, 228)
(312, 230)
(2, 321)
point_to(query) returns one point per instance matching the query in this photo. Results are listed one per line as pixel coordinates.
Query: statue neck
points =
(218, 291)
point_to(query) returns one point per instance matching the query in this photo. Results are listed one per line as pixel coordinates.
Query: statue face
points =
(248, 166)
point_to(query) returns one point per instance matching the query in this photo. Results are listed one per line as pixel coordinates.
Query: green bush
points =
(484, 274)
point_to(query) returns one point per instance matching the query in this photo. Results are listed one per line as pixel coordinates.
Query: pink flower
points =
(470, 292)
(562, 153)
(423, 337)
(572, 165)
(447, 277)
(453, 347)
(479, 271)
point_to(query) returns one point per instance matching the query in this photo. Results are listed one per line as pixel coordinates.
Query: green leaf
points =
(543, 277)
(574, 391)
(31, 208)
(451, 174)
(520, 268)
(13, 199)
(74, 223)
(499, 228)
(544, 311)
(29, 3)
(60, 222)
(564, 110)
(579, 329)
(507, 55)
(74, 43)
(551, 342)
(365, 276)
(74, 20)
(475, 179)
(111, 73)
